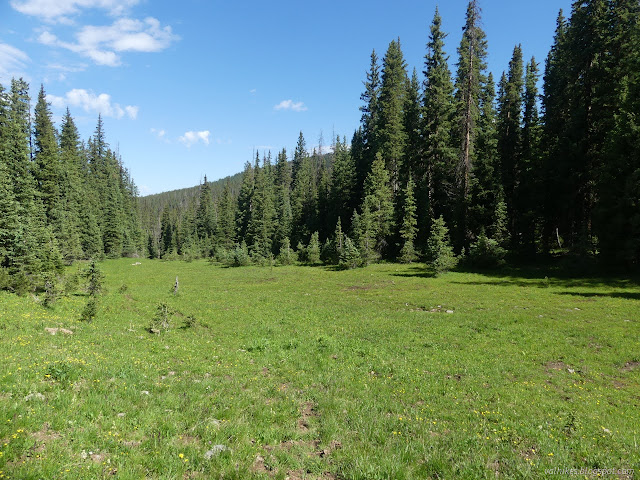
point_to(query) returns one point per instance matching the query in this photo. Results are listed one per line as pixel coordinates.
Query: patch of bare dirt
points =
(55, 330)
(358, 287)
(44, 436)
(187, 440)
(307, 411)
(629, 366)
(557, 366)
(302, 475)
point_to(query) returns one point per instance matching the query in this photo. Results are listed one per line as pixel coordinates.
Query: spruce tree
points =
(392, 137)
(469, 80)
(262, 225)
(436, 176)
(75, 237)
(245, 199)
(47, 163)
(283, 197)
(408, 230)
(226, 219)
(439, 248)
(205, 216)
(486, 179)
(554, 170)
(378, 203)
(414, 152)
(510, 138)
(528, 197)
(366, 137)
(343, 183)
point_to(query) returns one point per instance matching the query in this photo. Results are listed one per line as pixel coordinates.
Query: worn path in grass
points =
(300, 372)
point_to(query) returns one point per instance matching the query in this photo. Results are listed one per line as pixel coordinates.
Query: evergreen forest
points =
(448, 164)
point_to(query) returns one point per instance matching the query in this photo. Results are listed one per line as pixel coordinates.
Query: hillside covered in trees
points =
(60, 199)
(490, 165)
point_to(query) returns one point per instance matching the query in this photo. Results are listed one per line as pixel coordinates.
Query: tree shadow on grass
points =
(416, 271)
(625, 295)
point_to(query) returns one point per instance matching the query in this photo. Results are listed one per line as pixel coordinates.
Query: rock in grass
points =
(215, 450)
(32, 396)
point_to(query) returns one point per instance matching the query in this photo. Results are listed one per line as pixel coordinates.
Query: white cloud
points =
(290, 105)
(132, 111)
(90, 102)
(60, 10)
(191, 137)
(12, 61)
(103, 43)
(253, 91)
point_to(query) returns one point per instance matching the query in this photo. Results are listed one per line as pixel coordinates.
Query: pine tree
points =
(366, 137)
(554, 106)
(262, 225)
(47, 163)
(439, 248)
(299, 154)
(74, 201)
(304, 199)
(245, 200)
(205, 217)
(392, 137)
(343, 183)
(8, 217)
(364, 233)
(528, 197)
(378, 202)
(436, 177)
(283, 197)
(510, 138)
(617, 216)
(486, 182)
(226, 220)
(313, 249)
(408, 230)
(413, 122)
(469, 80)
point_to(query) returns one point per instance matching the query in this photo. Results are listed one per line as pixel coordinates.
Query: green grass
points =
(304, 372)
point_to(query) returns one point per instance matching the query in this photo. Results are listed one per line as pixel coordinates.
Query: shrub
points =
(241, 255)
(161, 320)
(287, 255)
(486, 253)
(90, 310)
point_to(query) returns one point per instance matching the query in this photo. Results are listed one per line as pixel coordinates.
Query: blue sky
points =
(193, 88)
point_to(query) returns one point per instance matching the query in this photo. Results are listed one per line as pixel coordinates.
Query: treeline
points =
(61, 200)
(443, 157)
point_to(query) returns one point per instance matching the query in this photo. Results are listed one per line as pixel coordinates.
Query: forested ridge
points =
(452, 163)
(447, 164)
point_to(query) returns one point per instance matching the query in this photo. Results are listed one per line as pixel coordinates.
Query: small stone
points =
(144, 392)
(36, 396)
(120, 415)
(51, 331)
(65, 331)
(449, 311)
(215, 450)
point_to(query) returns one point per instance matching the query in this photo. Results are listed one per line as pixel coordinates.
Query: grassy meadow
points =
(309, 373)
